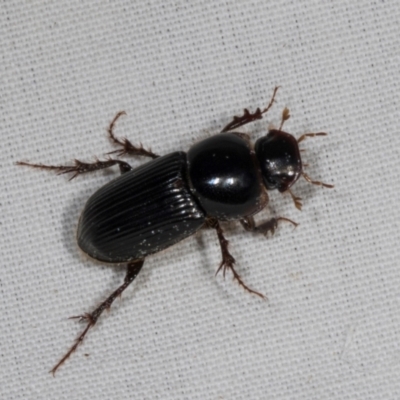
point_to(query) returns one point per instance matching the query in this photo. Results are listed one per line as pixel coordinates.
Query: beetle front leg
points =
(227, 259)
(296, 200)
(132, 272)
(266, 227)
(248, 117)
(81, 167)
(126, 146)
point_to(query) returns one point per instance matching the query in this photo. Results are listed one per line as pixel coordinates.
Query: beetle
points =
(150, 208)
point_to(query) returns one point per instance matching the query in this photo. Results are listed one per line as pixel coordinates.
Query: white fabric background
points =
(180, 69)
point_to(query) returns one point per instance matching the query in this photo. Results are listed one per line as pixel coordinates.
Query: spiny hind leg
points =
(133, 269)
(80, 167)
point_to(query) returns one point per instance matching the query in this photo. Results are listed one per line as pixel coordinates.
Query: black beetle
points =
(162, 202)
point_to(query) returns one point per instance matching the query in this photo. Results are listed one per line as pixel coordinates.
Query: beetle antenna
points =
(309, 180)
(285, 117)
(306, 135)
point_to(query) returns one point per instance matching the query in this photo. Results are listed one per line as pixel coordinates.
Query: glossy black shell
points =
(225, 177)
(141, 212)
(279, 158)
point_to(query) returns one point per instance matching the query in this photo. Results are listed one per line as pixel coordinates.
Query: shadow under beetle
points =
(162, 202)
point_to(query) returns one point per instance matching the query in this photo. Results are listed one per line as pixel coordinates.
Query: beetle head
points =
(279, 157)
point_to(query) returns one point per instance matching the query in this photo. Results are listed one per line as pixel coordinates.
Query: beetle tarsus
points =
(227, 259)
(296, 200)
(266, 227)
(133, 269)
(248, 116)
(126, 146)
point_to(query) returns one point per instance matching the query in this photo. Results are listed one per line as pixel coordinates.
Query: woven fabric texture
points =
(330, 328)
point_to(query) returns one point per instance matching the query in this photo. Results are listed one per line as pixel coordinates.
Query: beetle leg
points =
(248, 116)
(296, 200)
(126, 146)
(227, 259)
(81, 167)
(132, 272)
(249, 224)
